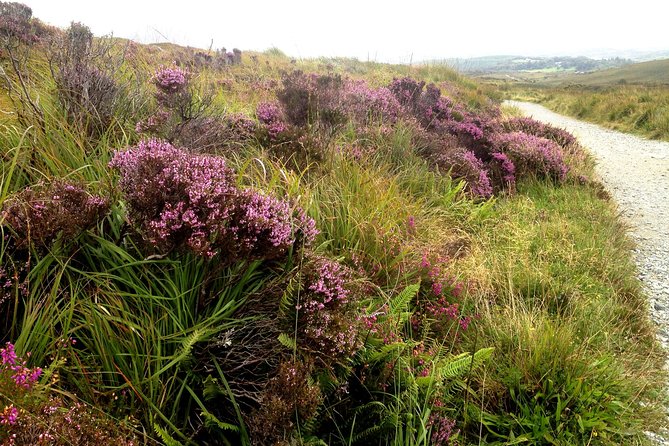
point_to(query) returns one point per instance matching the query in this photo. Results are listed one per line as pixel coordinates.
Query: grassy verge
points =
(641, 110)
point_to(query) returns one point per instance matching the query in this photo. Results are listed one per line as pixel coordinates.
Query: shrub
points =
(85, 75)
(27, 418)
(502, 172)
(180, 109)
(367, 106)
(39, 214)
(290, 397)
(407, 91)
(464, 165)
(217, 135)
(271, 118)
(16, 23)
(179, 200)
(311, 99)
(533, 127)
(328, 326)
(532, 155)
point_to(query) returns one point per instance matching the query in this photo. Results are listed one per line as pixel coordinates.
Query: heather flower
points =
(8, 355)
(441, 429)
(502, 171)
(327, 327)
(533, 127)
(180, 200)
(366, 105)
(170, 79)
(16, 22)
(9, 415)
(407, 91)
(532, 155)
(464, 165)
(270, 116)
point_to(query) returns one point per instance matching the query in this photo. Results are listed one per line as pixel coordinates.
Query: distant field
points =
(655, 72)
(633, 98)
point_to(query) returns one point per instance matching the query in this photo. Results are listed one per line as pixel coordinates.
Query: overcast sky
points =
(387, 31)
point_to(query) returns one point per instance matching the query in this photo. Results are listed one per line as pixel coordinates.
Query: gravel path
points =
(636, 173)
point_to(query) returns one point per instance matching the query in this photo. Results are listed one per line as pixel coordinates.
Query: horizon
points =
(296, 28)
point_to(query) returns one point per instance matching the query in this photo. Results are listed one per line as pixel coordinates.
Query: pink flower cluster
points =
(14, 366)
(533, 127)
(464, 165)
(9, 415)
(270, 116)
(532, 155)
(170, 79)
(327, 327)
(182, 200)
(367, 105)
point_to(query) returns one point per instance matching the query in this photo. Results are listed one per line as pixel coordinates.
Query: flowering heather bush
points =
(532, 155)
(437, 307)
(367, 105)
(170, 80)
(327, 327)
(179, 200)
(17, 23)
(39, 214)
(464, 165)
(533, 127)
(407, 91)
(502, 171)
(311, 99)
(14, 372)
(271, 118)
(54, 423)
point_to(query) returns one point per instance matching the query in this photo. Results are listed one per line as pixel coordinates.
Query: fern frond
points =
(287, 341)
(400, 303)
(167, 439)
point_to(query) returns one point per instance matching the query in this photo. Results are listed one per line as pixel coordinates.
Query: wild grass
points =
(638, 109)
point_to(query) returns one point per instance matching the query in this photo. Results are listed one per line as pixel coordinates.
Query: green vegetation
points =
(632, 99)
(160, 260)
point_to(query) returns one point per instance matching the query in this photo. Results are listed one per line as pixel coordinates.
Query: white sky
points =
(386, 31)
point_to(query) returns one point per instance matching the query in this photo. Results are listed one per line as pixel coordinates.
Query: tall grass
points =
(638, 109)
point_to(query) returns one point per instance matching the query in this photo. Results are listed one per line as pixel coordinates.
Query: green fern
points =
(287, 341)
(457, 366)
(167, 439)
(400, 303)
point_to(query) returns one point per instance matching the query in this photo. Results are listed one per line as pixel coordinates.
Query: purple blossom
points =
(533, 127)
(170, 79)
(327, 325)
(9, 415)
(532, 155)
(8, 355)
(180, 200)
(502, 167)
(270, 116)
(464, 164)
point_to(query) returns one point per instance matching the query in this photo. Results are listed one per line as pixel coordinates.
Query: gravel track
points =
(635, 171)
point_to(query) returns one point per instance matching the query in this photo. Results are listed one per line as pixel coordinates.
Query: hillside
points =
(236, 248)
(511, 64)
(655, 72)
